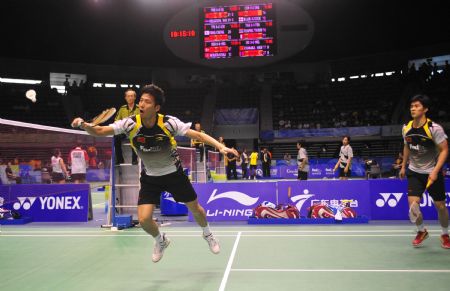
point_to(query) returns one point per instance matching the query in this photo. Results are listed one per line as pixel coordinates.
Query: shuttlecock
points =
(31, 94)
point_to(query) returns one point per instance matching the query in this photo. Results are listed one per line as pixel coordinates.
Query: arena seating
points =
(359, 102)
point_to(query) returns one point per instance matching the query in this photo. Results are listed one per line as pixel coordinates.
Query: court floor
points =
(336, 257)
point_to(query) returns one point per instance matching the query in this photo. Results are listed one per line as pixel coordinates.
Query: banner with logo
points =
(55, 202)
(380, 199)
(303, 194)
(233, 201)
(389, 200)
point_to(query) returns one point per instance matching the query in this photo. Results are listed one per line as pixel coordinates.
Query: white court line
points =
(143, 234)
(229, 231)
(230, 262)
(101, 235)
(345, 270)
(101, 203)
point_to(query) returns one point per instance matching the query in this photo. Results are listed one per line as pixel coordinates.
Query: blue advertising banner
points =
(96, 175)
(389, 200)
(55, 202)
(322, 170)
(313, 132)
(236, 116)
(379, 199)
(303, 194)
(233, 201)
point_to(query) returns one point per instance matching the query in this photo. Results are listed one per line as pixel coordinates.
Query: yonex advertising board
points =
(45, 203)
(233, 201)
(389, 200)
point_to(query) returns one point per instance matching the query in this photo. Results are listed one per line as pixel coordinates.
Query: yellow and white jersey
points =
(156, 146)
(422, 143)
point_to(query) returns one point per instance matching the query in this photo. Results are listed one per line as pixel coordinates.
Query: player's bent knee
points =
(145, 219)
(440, 205)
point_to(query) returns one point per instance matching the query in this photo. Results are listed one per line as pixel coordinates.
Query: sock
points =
(159, 238)
(445, 230)
(421, 227)
(206, 230)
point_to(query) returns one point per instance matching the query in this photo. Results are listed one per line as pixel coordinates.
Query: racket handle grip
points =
(428, 184)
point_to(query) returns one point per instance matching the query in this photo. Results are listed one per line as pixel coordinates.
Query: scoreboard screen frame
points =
(235, 50)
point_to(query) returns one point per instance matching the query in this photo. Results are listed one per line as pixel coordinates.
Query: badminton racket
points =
(99, 119)
(103, 117)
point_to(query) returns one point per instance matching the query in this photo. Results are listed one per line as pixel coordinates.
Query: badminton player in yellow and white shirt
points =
(152, 137)
(426, 150)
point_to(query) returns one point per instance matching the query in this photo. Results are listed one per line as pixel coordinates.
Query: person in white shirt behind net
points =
(78, 160)
(59, 171)
(344, 162)
(302, 162)
(152, 137)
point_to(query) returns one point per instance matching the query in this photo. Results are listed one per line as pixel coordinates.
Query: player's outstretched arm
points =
(92, 130)
(203, 137)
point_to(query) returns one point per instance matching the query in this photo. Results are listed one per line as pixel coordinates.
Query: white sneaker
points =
(158, 249)
(213, 243)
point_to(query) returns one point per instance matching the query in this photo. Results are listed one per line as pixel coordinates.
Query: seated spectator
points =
(11, 176)
(287, 158)
(397, 165)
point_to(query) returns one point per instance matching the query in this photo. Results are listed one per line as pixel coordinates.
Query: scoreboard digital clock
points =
(240, 31)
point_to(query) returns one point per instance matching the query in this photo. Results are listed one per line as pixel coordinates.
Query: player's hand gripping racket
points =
(414, 209)
(99, 119)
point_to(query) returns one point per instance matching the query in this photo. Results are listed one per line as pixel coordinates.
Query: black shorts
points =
(57, 177)
(344, 174)
(176, 183)
(253, 167)
(417, 183)
(302, 175)
(78, 176)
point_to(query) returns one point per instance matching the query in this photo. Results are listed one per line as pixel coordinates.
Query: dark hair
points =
(130, 89)
(156, 92)
(423, 99)
(56, 152)
(346, 136)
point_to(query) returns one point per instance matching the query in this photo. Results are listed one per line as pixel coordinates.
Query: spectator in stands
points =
(222, 142)
(253, 164)
(199, 145)
(125, 111)
(287, 158)
(266, 160)
(231, 166)
(397, 165)
(59, 170)
(66, 86)
(92, 153)
(45, 174)
(446, 72)
(344, 163)
(11, 176)
(78, 160)
(302, 162)
(244, 159)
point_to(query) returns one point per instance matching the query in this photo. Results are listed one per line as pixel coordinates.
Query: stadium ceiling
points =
(129, 32)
